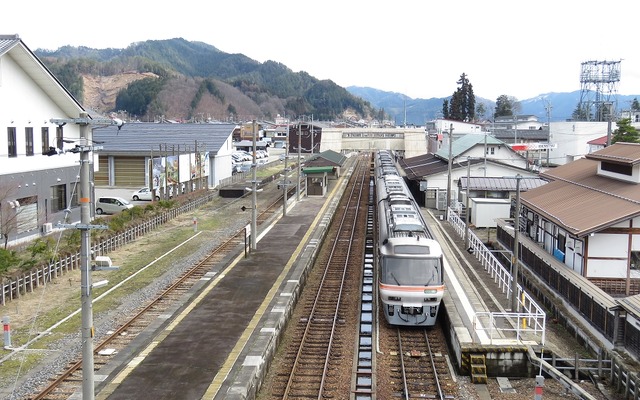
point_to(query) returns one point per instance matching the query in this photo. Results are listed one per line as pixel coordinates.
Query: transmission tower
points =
(599, 87)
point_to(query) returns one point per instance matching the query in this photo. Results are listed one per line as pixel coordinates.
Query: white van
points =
(111, 205)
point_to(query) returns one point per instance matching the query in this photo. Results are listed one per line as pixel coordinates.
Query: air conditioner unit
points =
(48, 227)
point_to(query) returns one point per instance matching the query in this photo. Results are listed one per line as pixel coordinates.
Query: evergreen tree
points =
(463, 102)
(625, 132)
(581, 113)
(445, 109)
(504, 106)
(635, 106)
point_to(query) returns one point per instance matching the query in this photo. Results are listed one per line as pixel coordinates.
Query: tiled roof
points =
(417, 167)
(143, 138)
(583, 202)
(626, 153)
(7, 42)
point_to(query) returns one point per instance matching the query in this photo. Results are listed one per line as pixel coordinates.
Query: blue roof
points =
(143, 138)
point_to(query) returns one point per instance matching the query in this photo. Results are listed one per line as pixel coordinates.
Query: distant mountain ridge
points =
(196, 79)
(200, 80)
(418, 111)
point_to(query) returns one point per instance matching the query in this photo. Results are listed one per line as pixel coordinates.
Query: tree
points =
(581, 113)
(9, 211)
(480, 110)
(506, 106)
(625, 132)
(445, 109)
(463, 102)
(635, 106)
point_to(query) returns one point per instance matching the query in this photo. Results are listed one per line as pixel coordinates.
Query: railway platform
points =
(235, 316)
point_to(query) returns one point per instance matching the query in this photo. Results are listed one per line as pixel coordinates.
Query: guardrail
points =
(29, 281)
(533, 317)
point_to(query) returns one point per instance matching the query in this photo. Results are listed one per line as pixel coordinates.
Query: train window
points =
(418, 272)
(412, 249)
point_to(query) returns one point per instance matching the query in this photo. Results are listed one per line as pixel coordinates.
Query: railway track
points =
(417, 365)
(70, 380)
(322, 344)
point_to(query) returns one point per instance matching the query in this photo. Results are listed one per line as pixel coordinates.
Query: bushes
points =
(46, 249)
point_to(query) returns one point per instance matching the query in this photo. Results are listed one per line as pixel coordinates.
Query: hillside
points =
(177, 79)
(100, 91)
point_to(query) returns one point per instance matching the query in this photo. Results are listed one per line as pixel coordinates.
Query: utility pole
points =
(85, 147)
(285, 182)
(466, 213)
(254, 193)
(609, 104)
(299, 169)
(312, 132)
(449, 173)
(516, 245)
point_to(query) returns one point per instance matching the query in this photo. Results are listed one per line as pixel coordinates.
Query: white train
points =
(409, 260)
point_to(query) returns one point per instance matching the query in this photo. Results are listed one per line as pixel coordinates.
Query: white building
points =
(572, 139)
(35, 189)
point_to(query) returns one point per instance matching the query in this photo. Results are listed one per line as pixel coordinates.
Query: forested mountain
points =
(182, 80)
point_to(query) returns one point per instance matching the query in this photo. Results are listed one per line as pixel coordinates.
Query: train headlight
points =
(430, 291)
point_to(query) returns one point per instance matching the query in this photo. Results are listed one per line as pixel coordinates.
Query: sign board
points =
(533, 146)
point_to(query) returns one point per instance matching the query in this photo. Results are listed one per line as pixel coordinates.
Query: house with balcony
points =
(39, 176)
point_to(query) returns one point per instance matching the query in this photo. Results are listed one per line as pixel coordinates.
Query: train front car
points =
(410, 285)
(410, 262)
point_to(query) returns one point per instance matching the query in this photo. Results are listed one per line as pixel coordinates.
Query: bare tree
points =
(9, 211)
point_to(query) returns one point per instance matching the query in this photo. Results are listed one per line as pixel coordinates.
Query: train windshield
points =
(413, 272)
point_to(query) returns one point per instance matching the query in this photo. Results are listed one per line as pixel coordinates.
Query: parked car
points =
(144, 194)
(112, 205)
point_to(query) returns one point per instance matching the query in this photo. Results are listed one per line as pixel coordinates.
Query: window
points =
(58, 198)
(44, 133)
(617, 168)
(59, 142)
(28, 140)
(635, 260)
(74, 196)
(12, 145)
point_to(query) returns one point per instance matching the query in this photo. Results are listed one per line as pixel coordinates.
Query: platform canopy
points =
(317, 170)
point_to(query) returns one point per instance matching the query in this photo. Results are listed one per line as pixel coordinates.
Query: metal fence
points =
(532, 319)
(29, 281)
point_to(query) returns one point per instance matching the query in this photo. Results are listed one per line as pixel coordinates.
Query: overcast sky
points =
(416, 47)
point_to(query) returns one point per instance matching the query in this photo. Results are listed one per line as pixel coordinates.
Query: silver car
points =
(143, 194)
(112, 205)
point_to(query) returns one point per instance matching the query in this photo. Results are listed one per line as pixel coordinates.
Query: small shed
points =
(484, 212)
(317, 179)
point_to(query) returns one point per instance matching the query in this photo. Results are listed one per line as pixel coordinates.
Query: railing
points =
(29, 281)
(533, 317)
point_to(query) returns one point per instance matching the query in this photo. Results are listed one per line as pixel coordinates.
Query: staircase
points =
(478, 368)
